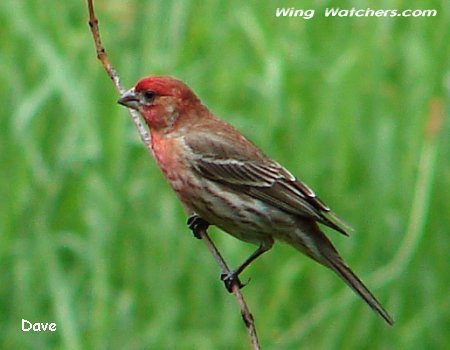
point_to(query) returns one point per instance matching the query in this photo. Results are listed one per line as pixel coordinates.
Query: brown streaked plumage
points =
(224, 179)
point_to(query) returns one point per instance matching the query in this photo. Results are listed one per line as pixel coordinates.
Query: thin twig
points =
(247, 317)
(112, 73)
(145, 137)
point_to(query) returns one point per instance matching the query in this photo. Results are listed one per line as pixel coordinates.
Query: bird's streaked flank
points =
(223, 179)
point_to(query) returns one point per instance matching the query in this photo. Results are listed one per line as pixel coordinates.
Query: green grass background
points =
(92, 238)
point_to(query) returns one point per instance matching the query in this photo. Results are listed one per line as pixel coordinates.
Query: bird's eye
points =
(148, 96)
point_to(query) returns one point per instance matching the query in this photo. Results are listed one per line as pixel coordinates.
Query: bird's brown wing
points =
(251, 172)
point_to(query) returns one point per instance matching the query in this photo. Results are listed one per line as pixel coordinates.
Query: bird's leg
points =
(233, 277)
(196, 224)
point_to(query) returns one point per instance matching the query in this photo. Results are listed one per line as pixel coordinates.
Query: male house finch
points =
(223, 179)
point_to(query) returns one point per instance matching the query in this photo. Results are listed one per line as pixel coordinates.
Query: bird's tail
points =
(349, 277)
(318, 246)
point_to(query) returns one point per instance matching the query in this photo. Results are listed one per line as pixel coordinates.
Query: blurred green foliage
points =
(92, 238)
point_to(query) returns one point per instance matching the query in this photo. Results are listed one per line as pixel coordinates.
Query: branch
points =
(112, 73)
(247, 317)
(145, 137)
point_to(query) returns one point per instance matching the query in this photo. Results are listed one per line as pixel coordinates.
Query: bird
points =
(225, 180)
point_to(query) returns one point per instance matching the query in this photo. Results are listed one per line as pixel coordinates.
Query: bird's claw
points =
(197, 224)
(231, 278)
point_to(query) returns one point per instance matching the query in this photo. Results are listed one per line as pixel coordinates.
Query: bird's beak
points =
(129, 99)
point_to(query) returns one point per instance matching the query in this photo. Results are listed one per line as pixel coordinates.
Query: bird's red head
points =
(161, 100)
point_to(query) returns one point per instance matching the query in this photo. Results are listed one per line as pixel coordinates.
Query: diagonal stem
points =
(247, 317)
(145, 137)
(112, 73)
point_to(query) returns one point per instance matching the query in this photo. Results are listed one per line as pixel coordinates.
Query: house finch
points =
(223, 179)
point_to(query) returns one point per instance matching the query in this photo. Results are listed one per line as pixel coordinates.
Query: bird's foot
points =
(230, 279)
(197, 224)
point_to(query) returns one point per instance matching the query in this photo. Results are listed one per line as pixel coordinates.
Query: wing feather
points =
(261, 178)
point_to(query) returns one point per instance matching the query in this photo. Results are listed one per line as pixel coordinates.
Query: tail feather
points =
(310, 240)
(349, 277)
